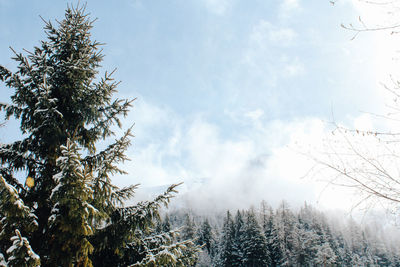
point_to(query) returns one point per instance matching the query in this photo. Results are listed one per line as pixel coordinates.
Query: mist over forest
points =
(199, 133)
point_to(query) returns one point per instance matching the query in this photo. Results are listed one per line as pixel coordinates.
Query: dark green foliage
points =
(188, 229)
(255, 251)
(166, 225)
(239, 239)
(20, 253)
(15, 214)
(225, 255)
(72, 218)
(205, 236)
(306, 237)
(72, 214)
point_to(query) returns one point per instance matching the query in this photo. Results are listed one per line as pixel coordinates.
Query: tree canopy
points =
(68, 212)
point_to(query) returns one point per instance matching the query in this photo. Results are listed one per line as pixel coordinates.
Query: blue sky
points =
(224, 88)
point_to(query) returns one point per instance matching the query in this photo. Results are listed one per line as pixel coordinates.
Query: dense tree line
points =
(283, 237)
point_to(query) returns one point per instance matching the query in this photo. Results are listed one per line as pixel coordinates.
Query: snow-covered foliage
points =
(3, 262)
(14, 213)
(72, 216)
(21, 253)
(69, 209)
(283, 237)
(254, 243)
(163, 250)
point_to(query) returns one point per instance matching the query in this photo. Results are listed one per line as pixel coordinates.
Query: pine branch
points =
(106, 160)
(142, 214)
(16, 155)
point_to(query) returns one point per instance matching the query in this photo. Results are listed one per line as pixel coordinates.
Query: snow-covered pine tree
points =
(206, 239)
(265, 213)
(325, 256)
(205, 236)
(284, 227)
(58, 96)
(308, 241)
(166, 224)
(188, 229)
(271, 234)
(255, 252)
(239, 239)
(225, 255)
(306, 245)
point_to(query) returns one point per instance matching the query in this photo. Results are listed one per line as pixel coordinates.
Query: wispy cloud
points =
(293, 67)
(290, 4)
(288, 7)
(258, 163)
(267, 56)
(254, 114)
(265, 32)
(218, 7)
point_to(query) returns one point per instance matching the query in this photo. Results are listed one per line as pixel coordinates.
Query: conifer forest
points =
(61, 203)
(263, 236)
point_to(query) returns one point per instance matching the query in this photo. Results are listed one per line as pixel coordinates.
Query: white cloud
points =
(266, 58)
(290, 4)
(255, 114)
(288, 7)
(265, 32)
(261, 162)
(218, 7)
(293, 68)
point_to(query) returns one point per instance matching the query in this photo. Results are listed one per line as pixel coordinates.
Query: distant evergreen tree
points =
(68, 212)
(166, 224)
(285, 227)
(343, 252)
(163, 225)
(309, 237)
(225, 255)
(306, 246)
(265, 214)
(189, 228)
(271, 235)
(239, 237)
(255, 251)
(205, 236)
(325, 256)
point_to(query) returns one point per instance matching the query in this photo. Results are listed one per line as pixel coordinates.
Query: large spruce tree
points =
(68, 212)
